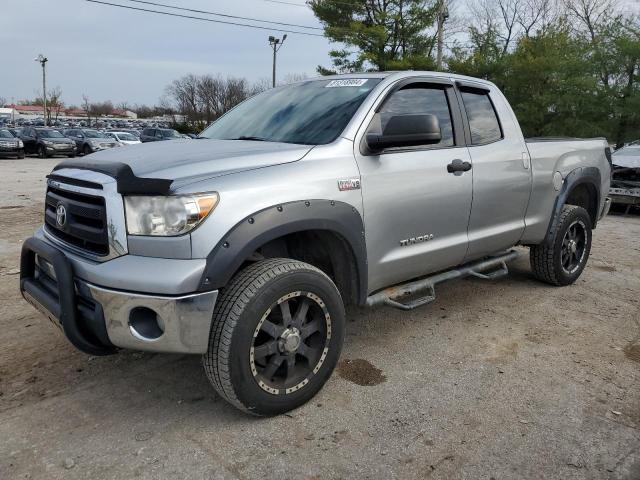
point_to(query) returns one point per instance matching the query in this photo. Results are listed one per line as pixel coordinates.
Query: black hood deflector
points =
(128, 183)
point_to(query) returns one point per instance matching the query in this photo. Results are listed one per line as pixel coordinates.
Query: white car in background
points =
(124, 138)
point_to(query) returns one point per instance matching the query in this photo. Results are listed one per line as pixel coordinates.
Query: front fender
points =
(278, 220)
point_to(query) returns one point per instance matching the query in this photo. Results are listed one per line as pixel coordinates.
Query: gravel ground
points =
(505, 379)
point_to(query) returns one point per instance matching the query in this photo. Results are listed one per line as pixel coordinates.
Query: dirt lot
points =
(505, 379)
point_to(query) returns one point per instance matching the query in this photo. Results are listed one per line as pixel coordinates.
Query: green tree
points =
(379, 34)
(616, 53)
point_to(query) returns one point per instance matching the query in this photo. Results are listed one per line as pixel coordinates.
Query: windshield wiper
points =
(245, 137)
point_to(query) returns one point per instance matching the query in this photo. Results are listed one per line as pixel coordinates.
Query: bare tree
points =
(535, 15)
(54, 103)
(86, 106)
(590, 13)
(204, 98)
(3, 101)
(292, 78)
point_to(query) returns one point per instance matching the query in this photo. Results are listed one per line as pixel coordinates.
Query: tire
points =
(21, 155)
(73, 155)
(557, 261)
(248, 321)
(86, 150)
(42, 152)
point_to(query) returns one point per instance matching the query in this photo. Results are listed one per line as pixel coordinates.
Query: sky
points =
(110, 53)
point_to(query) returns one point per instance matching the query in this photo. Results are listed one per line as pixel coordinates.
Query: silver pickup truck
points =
(246, 244)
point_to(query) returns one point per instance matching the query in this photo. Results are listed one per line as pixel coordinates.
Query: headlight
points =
(167, 216)
(20, 144)
(47, 142)
(95, 143)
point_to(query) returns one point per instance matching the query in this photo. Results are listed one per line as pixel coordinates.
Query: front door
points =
(415, 211)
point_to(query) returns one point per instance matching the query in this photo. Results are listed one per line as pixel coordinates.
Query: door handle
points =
(458, 167)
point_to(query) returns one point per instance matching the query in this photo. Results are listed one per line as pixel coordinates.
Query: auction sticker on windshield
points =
(348, 82)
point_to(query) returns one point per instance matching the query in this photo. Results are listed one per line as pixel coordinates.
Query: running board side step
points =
(487, 269)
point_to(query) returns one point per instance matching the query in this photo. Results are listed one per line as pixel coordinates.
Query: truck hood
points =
(186, 161)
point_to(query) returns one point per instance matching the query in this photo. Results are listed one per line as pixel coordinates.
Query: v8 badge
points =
(349, 184)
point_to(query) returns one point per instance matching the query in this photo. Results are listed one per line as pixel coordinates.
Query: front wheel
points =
(562, 258)
(277, 333)
(42, 152)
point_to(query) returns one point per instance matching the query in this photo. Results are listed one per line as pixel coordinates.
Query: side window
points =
(416, 99)
(159, 133)
(146, 132)
(483, 120)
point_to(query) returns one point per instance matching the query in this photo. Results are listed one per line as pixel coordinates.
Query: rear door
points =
(501, 171)
(415, 211)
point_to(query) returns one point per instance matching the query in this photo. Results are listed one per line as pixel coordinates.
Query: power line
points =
(288, 3)
(304, 5)
(191, 17)
(208, 12)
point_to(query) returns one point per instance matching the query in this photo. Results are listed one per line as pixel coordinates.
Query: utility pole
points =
(443, 14)
(43, 61)
(276, 44)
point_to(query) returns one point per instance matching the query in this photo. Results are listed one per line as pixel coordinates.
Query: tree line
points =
(567, 68)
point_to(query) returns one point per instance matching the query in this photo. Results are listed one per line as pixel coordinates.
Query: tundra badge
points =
(418, 239)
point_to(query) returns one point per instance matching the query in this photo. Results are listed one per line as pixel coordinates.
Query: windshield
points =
(93, 134)
(6, 134)
(49, 134)
(170, 134)
(310, 113)
(127, 137)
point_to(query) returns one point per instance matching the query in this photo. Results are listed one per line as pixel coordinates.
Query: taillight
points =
(607, 153)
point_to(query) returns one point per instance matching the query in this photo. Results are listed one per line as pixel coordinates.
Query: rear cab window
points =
(484, 124)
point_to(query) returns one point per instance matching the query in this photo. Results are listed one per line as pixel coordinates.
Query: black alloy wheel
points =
(290, 343)
(574, 246)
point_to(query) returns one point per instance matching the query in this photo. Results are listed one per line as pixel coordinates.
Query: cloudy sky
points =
(115, 54)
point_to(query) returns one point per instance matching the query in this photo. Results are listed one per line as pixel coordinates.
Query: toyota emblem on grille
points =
(61, 215)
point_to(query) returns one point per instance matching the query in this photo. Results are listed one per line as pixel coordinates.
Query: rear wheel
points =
(562, 258)
(277, 333)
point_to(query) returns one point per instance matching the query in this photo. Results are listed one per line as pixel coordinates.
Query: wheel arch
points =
(581, 187)
(325, 233)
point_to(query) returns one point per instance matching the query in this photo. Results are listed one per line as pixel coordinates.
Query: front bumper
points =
(11, 152)
(61, 150)
(96, 320)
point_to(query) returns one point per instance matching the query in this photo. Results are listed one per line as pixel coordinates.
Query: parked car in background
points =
(132, 131)
(90, 141)
(15, 131)
(625, 179)
(46, 142)
(159, 134)
(124, 138)
(10, 146)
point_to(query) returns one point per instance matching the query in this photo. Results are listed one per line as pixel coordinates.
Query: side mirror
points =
(406, 131)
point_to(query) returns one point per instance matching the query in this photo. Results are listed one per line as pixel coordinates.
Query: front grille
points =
(85, 222)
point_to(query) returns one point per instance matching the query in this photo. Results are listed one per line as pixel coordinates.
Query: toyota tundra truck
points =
(245, 245)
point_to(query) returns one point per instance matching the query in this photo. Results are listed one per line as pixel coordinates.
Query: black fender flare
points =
(278, 220)
(581, 175)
